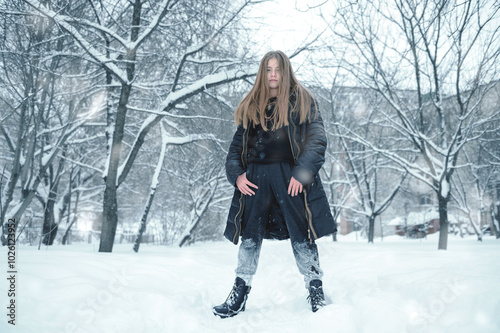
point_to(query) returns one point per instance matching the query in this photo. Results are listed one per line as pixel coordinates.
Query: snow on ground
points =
(392, 286)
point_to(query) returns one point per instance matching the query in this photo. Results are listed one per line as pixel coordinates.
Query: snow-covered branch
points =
(197, 48)
(86, 45)
(173, 99)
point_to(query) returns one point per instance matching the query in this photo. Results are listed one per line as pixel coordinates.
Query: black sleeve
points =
(312, 156)
(234, 166)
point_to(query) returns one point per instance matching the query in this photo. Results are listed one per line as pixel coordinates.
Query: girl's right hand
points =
(244, 185)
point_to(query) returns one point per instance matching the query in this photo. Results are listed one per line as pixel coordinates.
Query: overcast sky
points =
(285, 24)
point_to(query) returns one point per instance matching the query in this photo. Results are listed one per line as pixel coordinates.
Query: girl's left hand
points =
(295, 187)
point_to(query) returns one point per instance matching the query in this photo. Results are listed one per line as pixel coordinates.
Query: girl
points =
(273, 162)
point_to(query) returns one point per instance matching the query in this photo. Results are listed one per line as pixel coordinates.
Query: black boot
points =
(235, 302)
(316, 296)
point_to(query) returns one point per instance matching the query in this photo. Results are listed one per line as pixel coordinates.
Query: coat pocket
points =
(315, 189)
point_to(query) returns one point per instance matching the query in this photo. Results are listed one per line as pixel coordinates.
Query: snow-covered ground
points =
(391, 286)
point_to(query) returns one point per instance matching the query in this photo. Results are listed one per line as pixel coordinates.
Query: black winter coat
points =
(308, 142)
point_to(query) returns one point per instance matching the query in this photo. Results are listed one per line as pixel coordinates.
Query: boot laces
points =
(233, 296)
(316, 296)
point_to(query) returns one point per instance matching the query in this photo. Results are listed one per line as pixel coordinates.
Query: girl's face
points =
(273, 76)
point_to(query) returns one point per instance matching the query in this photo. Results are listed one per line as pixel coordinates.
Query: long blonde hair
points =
(252, 107)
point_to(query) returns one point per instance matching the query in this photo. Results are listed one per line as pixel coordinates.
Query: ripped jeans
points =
(272, 181)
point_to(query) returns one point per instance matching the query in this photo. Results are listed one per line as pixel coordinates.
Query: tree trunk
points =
(110, 203)
(477, 230)
(144, 220)
(110, 217)
(371, 228)
(49, 229)
(67, 234)
(443, 222)
(15, 172)
(154, 186)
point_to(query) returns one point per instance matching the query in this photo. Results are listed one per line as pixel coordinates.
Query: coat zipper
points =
(309, 218)
(241, 200)
(237, 232)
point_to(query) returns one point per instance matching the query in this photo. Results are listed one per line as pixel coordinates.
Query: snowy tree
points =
(475, 182)
(203, 194)
(39, 122)
(151, 56)
(484, 167)
(372, 179)
(433, 63)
